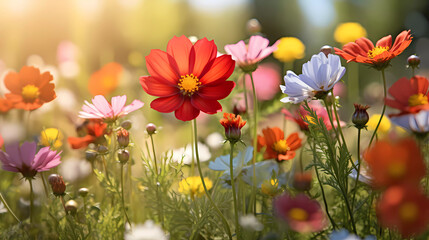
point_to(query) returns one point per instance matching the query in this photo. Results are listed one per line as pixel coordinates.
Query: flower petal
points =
(205, 52)
(118, 103)
(157, 88)
(167, 104)
(238, 51)
(216, 92)
(206, 105)
(11, 81)
(255, 46)
(221, 69)
(180, 49)
(186, 111)
(385, 42)
(162, 66)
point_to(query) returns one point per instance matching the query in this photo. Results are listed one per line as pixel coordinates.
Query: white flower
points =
(250, 222)
(184, 155)
(418, 123)
(146, 231)
(264, 171)
(319, 75)
(238, 163)
(215, 140)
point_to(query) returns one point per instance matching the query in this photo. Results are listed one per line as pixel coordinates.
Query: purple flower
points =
(24, 159)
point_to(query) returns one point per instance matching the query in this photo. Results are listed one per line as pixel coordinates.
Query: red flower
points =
(5, 105)
(188, 78)
(276, 146)
(395, 162)
(232, 125)
(92, 131)
(363, 50)
(405, 208)
(409, 96)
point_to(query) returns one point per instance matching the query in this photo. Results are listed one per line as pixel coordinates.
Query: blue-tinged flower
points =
(416, 123)
(319, 75)
(238, 163)
(264, 171)
(343, 234)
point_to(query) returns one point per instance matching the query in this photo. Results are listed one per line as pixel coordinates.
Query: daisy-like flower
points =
(105, 80)
(248, 56)
(405, 208)
(289, 49)
(276, 147)
(391, 163)
(188, 78)
(24, 159)
(378, 56)
(51, 137)
(29, 89)
(409, 96)
(193, 186)
(238, 163)
(415, 123)
(301, 213)
(91, 131)
(319, 75)
(232, 125)
(101, 109)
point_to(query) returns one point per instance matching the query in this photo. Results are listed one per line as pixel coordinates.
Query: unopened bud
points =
(126, 124)
(360, 116)
(302, 181)
(57, 184)
(150, 128)
(102, 149)
(326, 50)
(413, 61)
(71, 206)
(91, 155)
(253, 26)
(123, 156)
(232, 125)
(123, 138)
(83, 192)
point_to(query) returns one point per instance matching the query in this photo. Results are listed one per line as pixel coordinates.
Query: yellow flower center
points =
(189, 84)
(408, 212)
(377, 51)
(310, 119)
(396, 169)
(298, 214)
(270, 187)
(30, 93)
(281, 146)
(417, 99)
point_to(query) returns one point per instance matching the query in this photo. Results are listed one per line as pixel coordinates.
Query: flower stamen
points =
(281, 146)
(417, 100)
(189, 84)
(30, 93)
(298, 214)
(377, 51)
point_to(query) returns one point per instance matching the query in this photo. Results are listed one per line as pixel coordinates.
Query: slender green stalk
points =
(44, 184)
(154, 155)
(338, 121)
(123, 196)
(358, 169)
(8, 208)
(63, 203)
(31, 201)
(384, 108)
(328, 110)
(161, 203)
(103, 159)
(225, 222)
(255, 142)
(193, 157)
(231, 169)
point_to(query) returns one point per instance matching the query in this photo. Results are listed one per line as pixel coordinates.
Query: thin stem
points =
(338, 120)
(31, 201)
(255, 141)
(160, 205)
(44, 184)
(154, 155)
(231, 169)
(384, 108)
(8, 208)
(328, 110)
(63, 203)
(123, 196)
(105, 167)
(193, 156)
(358, 169)
(225, 222)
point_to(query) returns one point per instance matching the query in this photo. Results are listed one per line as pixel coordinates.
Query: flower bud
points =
(253, 26)
(123, 156)
(150, 128)
(123, 138)
(232, 125)
(102, 149)
(413, 61)
(83, 192)
(360, 117)
(302, 181)
(90, 155)
(326, 50)
(57, 184)
(71, 206)
(126, 124)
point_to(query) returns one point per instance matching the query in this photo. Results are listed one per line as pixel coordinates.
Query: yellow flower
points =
(270, 187)
(384, 125)
(193, 186)
(349, 32)
(51, 137)
(289, 49)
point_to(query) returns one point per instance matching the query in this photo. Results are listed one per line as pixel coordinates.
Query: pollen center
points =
(189, 84)
(30, 93)
(281, 146)
(298, 214)
(418, 99)
(408, 212)
(377, 51)
(396, 169)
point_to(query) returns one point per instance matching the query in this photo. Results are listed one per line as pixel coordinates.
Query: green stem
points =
(255, 141)
(225, 222)
(338, 120)
(31, 201)
(44, 184)
(384, 108)
(231, 169)
(105, 167)
(328, 110)
(193, 157)
(123, 196)
(8, 208)
(161, 204)
(154, 155)
(358, 169)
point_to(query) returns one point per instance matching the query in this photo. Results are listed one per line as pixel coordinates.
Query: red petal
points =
(221, 69)
(156, 88)
(206, 105)
(186, 112)
(419, 84)
(80, 142)
(216, 92)
(205, 52)
(167, 104)
(180, 49)
(401, 90)
(385, 42)
(11, 81)
(47, 92)
(288, 156)
(402, 41)
(365, 44)
(162, 66)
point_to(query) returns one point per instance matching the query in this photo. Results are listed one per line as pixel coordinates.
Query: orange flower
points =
(232, 125)
(106, 80)
(276, 146)
(5, 105)
(91, 131)
(395, 162)
(363, 50)
(29, 89)
(405, 208)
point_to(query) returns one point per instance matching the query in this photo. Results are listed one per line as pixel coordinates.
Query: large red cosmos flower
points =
(409, 96)
(363, 50)
(188, 78)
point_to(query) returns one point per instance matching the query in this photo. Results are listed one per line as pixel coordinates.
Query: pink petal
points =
(256, 45)
(118, 104)
(136, 104)
(238, 51)
(28, 150)
(102, 105)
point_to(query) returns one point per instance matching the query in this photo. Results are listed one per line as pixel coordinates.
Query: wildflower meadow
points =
(257, 136)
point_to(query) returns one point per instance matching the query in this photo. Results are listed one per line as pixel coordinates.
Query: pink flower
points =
(267, 79)
(248, 56)
(101, 109)
(24, 159)
(301, 213)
